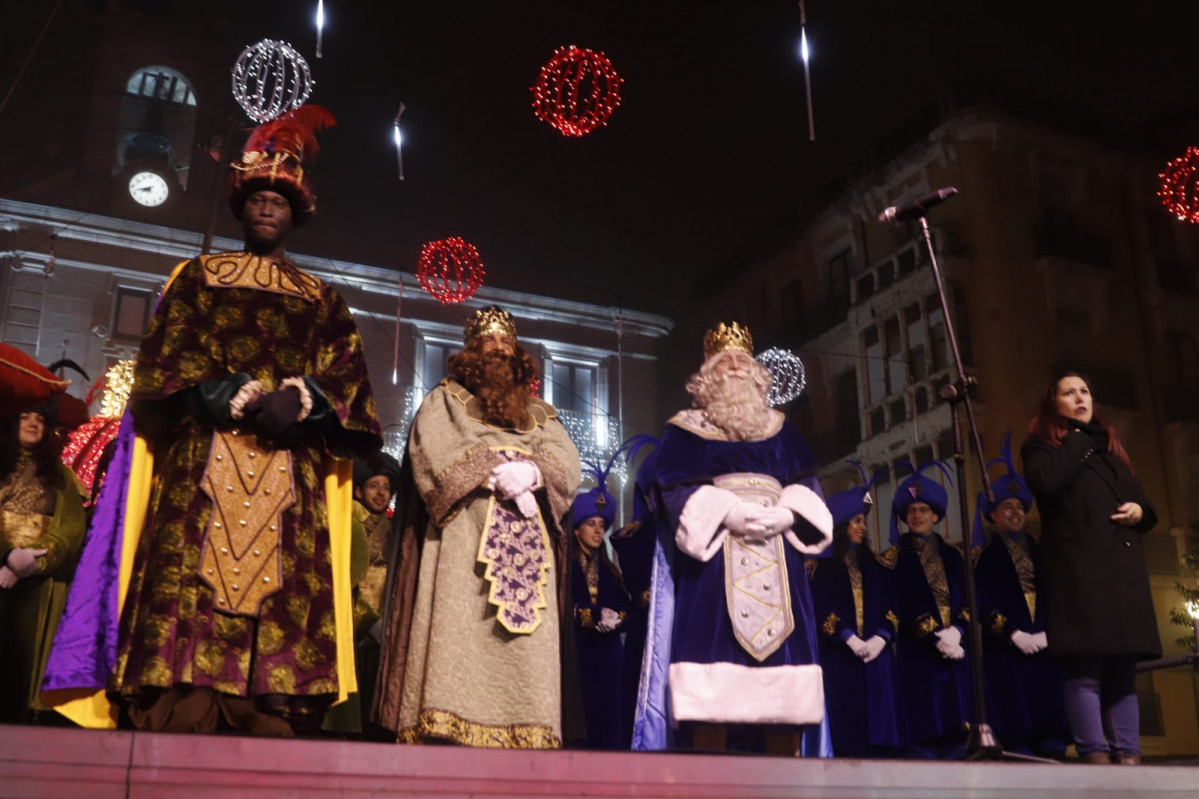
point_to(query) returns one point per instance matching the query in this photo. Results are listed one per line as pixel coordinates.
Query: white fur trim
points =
(808, 504)
(732, 694)
(701, 532)
(244, 396)
(305, 395)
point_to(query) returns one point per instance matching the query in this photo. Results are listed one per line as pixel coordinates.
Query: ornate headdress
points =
(492, 319)
(728, 337)
(918, 488)
(273, 159)
(1010, 486)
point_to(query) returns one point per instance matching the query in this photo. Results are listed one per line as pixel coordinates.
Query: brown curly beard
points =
(500, 382)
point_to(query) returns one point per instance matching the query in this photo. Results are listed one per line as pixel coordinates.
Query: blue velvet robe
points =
(865, 704)
(600, 654)
(634, 545)
(702, 631)
(936, 691)
(1025, 691)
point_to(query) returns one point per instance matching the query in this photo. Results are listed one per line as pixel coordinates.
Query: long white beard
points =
(737, 407)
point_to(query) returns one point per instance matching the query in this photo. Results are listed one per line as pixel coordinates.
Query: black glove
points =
(274, 414)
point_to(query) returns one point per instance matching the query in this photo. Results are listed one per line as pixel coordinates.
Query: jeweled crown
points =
(728, 337)
(492, 319)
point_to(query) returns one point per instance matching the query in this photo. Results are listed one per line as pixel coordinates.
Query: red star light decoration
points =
(577, 91)
(450, 269)
(1180, 189)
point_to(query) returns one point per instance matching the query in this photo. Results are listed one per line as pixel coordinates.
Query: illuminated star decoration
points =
(270, 78)
(577, 91)
(450, 269)
(787, 370)
(1179, 188)
(320, 24)
(804, 53)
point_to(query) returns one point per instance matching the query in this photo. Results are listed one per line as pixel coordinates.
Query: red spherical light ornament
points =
(1180, 186)
(450, 269)
(576, 91)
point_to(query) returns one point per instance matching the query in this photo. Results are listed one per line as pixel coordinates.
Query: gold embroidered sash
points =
(250, 489)
(756, 589)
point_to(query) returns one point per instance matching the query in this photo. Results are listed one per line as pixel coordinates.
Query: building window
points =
(573, 387)
(131, 313)
(838, 280)
(157, 123)
(435, 364)
(162, 84)
(876, 374)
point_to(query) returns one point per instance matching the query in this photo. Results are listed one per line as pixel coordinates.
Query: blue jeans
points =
(1101, 703)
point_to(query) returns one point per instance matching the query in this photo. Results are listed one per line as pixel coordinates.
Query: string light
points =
(118, 383)
(270, 78)
(577, 91)
(1179, 190)
(787, 370)
(450, 269)
(320, 24)
(85, 445)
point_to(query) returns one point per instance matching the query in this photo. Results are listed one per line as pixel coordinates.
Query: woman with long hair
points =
(1099, 610)
(41, 532)
(856, 612)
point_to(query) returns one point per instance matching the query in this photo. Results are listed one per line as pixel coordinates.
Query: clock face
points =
(148, 188)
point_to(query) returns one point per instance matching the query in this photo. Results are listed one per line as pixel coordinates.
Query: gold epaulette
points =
(890, 557)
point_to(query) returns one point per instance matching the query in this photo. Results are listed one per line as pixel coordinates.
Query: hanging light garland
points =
(118, 382)
(1179, 190)
(85, 446)
(787, 370)
(450, 269)
(270, 78)
(577, 91)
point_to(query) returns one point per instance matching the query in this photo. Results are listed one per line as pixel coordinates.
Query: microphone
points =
(917, 207)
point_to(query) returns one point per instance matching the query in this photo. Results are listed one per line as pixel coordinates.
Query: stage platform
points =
(61, 762)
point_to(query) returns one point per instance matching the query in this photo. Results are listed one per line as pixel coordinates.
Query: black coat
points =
(1097, 597)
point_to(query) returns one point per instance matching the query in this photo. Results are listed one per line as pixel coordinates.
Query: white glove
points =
(857, 645)
(773, 520)
(526, 503)
(1026, 642)
(737, 519)
(609, 620)
(875, 645)
(514, 477)
(23, 562)
(1042, 640)
(7, 578)
(949, 643)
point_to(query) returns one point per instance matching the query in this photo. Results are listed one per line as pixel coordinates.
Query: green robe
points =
(35, 517)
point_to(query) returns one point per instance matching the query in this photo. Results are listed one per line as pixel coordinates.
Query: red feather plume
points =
(293, 132)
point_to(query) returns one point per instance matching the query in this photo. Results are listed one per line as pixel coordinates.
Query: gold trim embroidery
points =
(250, 489)
(696, 421)
(891, 617)
(444, 725)
(890, 557)
(998, 622)
(830, 624)
(457, 480)
(925, 624)
(484, 556)
(245, 270)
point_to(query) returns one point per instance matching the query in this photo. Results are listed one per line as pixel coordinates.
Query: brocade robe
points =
(35, 517)
(238, 595)
(479, 664)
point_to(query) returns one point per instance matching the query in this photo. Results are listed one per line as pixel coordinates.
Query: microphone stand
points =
(981, 743)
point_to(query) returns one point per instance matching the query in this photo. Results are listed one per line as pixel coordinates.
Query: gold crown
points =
(492, 319)
(728, 337)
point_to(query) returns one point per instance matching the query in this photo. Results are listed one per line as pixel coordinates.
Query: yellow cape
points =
(93, 708)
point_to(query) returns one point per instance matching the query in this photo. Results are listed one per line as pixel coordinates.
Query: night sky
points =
(708, 158)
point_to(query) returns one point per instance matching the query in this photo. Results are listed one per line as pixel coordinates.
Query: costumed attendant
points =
(472, 635)
(599, 608)
(634, 546)
(856, 609)
(42, 524)
(249, 386)
(1099, 615)
(744, 510)
(375, 482)
(1025, 687)
(934, 666)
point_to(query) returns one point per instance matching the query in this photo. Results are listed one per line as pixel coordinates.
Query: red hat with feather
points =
(273, 159)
